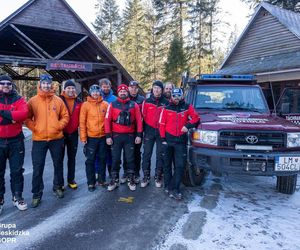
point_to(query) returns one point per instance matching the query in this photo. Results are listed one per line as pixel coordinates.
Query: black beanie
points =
(5, 78)
(69, 83)
(158, 83)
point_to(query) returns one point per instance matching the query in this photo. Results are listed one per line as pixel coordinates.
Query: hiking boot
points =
(59, 193)
(113, 185)
(102, 183)
(131, 184)
(72, 185)
(158, 181)
(123, 179)
(175, 195)
(1, 205)
(145, 182)
(137, 179)
(36, 202)
(91, 188)
(20, 203)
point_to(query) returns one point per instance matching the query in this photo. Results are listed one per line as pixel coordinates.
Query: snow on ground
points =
(241, 212)
(60, 220)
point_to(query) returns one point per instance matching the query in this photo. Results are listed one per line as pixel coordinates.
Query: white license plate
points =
(287, 163)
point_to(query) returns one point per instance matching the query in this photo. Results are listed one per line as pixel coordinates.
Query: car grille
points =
(231, 138)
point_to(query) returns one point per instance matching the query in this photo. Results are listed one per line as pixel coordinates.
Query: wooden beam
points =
(10, 71)
(31, 61)
(28, 71)
(30, 41)
(60, 55)
(28, 47)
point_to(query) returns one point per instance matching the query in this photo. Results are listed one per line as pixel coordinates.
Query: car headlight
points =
(206, 137)
(293, 140)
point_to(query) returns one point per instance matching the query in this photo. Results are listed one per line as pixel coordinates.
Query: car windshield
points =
(241, 98)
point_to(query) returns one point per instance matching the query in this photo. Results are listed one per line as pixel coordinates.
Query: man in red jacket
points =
(175, 121)
(13, 111)
(73, 104)
(151, 110)
(123, 128)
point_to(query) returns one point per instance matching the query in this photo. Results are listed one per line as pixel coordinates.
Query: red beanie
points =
(122, 87)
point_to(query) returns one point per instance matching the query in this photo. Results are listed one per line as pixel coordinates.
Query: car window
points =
(289, 102)
(230, 97)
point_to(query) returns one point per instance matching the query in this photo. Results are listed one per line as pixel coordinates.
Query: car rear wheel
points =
(286, 184)
(193, 176)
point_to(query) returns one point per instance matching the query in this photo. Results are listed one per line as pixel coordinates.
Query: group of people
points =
(107, 125)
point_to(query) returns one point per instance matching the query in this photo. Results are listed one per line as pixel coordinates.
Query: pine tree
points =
(107, 23)
(134, 39)
(176, 62)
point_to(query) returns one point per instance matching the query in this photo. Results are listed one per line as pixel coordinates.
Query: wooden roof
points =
(269, 43)
(43, 31)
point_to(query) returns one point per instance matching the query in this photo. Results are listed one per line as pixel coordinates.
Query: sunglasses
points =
(7, 83)
(177, 96)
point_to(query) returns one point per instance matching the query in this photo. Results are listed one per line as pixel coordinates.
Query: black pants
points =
(125, 142)
(178, 152)
(94, 147)
(71, 143)
(38, 154)
(101, 170)
(137, 160)
(149, 140)
(14, 151)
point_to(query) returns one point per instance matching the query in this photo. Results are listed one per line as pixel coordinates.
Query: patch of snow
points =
(250, 214)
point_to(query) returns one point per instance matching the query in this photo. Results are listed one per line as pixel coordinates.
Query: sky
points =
(233, 12)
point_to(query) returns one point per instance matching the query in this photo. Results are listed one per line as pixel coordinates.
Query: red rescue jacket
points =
(113, 112)
(173, 118)
(151, 109)
(13, 111)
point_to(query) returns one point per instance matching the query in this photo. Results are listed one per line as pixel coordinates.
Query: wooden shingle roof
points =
(42, 31)
(270, 42)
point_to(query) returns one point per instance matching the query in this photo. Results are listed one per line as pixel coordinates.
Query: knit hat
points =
(177, 92)
(94, 88)
(122, 87)
(5, 78)
(45, 78)
(158, 83)
(133, 83)
(69, 83)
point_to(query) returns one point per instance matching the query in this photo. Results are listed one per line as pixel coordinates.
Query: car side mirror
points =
(285, 108)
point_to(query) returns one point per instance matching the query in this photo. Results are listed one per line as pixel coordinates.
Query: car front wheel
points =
(286, 184)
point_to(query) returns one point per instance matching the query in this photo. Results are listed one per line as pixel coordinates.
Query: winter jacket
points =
(173, 118)
(151, 109)
(47, 116)
(92, 117)
(138, 99)
(73, 110)
(13, 111)
(109, 98)
(113, 112)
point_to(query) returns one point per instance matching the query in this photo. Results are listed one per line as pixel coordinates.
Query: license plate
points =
(287, 163)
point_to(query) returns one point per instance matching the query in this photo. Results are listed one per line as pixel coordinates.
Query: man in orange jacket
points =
(47, 118)
(92, 133)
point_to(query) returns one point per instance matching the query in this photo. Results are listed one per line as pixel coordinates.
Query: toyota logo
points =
(251, 139)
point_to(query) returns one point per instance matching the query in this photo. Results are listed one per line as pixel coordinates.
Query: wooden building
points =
(50, 35)
(269, 48)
